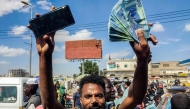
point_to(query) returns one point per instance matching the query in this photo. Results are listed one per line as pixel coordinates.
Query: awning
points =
(127, 75)
(112, 75)
(185, 62)
(154, 74)
(156, 77)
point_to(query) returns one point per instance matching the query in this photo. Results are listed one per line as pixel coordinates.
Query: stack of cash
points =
(126, 17)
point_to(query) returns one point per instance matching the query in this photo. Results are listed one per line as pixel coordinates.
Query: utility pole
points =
(30, 58)
(82, 66)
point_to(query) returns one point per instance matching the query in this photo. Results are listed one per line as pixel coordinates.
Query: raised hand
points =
(45, 44)
(142, 49)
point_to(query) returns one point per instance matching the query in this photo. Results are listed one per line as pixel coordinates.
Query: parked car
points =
(185, 83)
(12, 95)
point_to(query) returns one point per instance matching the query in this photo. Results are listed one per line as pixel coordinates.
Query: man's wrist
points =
(45, 56)
(142, 60)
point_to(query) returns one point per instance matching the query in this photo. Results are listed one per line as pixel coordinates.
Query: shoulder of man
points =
(35, 99)
(115, 107)
(74, 94)
(111, 105)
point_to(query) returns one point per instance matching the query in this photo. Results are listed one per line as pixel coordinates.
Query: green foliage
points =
(74, 76)
(89, 68)
(101, 73)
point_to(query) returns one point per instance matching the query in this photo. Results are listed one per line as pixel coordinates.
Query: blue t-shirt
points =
(76, 99)
(152, 106)
(120, 100)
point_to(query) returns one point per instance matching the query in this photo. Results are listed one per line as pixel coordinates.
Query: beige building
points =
(167, 68)
(121, 68)
(18, 73)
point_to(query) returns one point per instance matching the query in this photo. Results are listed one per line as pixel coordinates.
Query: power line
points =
(98, 24)
(148, 16)
(103, 26)
(169, 12)
(100, 30)
(169, 17)
(103, 23)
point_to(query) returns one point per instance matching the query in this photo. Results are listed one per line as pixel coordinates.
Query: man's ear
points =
(30, 88)
(81, 102)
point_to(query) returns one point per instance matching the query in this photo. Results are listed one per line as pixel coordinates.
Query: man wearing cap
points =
(30, 88)
(76, 99)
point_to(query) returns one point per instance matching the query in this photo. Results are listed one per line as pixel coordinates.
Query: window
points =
(155, 66)
(8, 94)
(112, 66)
(125, 65)
(165, 65)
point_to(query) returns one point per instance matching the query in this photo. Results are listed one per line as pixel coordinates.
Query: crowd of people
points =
(98, 92)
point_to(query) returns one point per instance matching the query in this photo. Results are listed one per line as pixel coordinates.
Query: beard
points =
(94, 107)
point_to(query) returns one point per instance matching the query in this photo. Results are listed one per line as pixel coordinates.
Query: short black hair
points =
(94, 79)
(34, 88)
(115, 83)
(104, 78)
(128, 83)
(180, 101)
(156, 97)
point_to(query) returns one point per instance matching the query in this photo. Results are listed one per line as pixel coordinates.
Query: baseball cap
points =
(78, 87)
(32, 81)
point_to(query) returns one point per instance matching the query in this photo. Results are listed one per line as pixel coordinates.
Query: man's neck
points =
(30, 95)
(156, 104)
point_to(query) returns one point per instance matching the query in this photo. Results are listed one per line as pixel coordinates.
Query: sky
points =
(171, 21)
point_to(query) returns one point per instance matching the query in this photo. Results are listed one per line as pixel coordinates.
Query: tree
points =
(101, 73)
(74, 76)
(89, 68)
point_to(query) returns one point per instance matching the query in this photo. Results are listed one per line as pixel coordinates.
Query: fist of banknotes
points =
(126, 17)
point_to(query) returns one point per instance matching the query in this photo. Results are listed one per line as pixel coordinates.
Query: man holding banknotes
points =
(45, 47)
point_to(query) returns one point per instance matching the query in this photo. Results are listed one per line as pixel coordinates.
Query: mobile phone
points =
(52, 21)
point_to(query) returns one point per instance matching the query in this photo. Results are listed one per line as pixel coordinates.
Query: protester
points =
(116, 86)
(180, 101)
(120, 93)
(57, 85)
(153, 84)
(157, 99)
(157, 83)
(146, 99)
(62, 95)
(109, 90)
(76, 99)
(56, 94)
(30, 88)
(127, 84)
(160, 90)
(153, 91)
(93, 90)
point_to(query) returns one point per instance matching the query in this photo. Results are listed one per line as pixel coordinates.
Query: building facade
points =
(18, 73)
(170, 68)
(121, 68)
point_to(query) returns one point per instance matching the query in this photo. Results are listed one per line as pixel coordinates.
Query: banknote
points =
(126, 17)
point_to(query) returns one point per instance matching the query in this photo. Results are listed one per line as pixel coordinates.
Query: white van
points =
(11, 92)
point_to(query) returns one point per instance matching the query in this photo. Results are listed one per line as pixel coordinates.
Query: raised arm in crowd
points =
(45, 47)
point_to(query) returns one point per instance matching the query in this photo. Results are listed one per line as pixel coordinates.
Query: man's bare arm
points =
(45, 47)
(138, 87)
